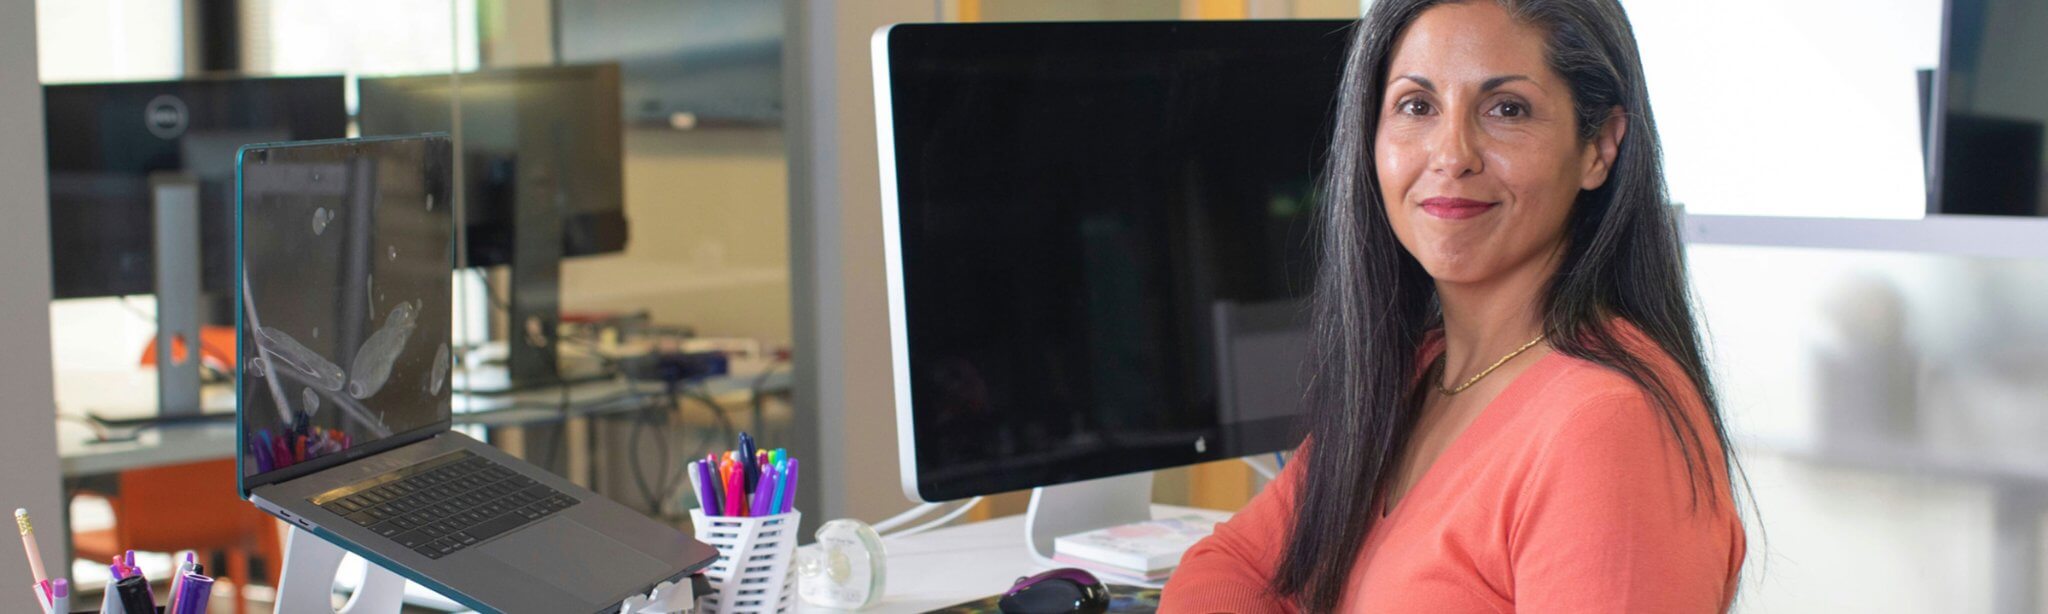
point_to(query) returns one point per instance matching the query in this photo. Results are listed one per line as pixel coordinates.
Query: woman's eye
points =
(1413, 106)
(1511, 109)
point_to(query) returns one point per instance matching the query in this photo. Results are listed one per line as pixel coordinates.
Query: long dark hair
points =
(1373, 302)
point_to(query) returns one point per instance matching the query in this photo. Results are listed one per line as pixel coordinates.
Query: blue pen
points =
(748, 468)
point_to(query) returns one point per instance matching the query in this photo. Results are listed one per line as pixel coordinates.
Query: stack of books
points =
(1146, 551)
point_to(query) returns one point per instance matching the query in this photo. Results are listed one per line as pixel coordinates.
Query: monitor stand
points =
(1080, 507)
(175, 198)
(532, 332)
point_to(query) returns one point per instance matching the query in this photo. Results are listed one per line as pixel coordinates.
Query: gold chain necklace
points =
(1489, 370)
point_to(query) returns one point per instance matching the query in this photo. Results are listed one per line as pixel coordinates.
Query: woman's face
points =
(1478, 152)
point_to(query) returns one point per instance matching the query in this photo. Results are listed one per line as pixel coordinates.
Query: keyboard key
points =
(413, 539)
(495, 526)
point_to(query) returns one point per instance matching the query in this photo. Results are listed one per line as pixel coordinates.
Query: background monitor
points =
(104, 140)
(553, 131)
(688, 63)
(1991, 104)
(542, 177)
(1099, 243)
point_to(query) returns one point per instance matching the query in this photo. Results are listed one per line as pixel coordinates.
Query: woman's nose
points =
(1453, 153)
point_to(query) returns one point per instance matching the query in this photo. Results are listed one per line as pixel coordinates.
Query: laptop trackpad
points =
(572, 557)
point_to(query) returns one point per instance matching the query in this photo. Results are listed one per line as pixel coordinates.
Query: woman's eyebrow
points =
(1495, 82)
(1419, 80)
(1492, 83)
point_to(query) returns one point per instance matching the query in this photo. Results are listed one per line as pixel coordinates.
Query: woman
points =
(1509, 409)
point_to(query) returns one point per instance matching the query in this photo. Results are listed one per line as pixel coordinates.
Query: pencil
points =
(35, 555)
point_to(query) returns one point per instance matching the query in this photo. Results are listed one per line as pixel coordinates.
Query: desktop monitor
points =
(1099, 241)
(105, 139)
(553, 130)
(1990, 110)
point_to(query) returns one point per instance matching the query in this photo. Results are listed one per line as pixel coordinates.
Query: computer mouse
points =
(1060, 591)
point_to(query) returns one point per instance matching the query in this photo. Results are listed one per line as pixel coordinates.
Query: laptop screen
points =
(346, 258)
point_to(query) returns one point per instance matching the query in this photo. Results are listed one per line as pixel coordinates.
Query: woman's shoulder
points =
(1579, 387)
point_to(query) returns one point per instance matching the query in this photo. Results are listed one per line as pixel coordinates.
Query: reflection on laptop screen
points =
(346, 258)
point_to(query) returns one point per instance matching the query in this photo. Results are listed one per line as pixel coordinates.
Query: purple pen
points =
(764, 493)
(192, 595)
(707, 489)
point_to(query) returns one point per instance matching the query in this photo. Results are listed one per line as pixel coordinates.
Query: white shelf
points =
(1959, 235)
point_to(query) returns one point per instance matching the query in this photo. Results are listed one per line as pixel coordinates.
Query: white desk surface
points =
(962, 563)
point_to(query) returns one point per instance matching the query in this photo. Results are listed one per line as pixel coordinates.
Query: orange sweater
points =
(1566, 494)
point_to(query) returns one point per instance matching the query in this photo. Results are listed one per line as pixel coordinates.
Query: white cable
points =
(1259, 465)
(940, 522)
(905, 517)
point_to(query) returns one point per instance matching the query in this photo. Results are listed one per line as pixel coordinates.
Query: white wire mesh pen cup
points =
(755, 573)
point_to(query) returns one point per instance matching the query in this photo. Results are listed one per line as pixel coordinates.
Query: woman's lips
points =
(1455, 208)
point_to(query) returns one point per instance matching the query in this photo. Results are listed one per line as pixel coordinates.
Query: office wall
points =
(29, 473)
(710, 235)
(710, 223)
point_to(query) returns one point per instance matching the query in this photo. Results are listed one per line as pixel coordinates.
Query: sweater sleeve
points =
(1608, 521)
(1230, 570)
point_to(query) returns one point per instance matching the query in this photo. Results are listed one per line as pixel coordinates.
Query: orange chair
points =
(188, 507)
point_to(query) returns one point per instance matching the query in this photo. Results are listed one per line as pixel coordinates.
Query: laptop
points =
(346, 252)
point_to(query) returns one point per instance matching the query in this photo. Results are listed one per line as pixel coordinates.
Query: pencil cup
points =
(754, 573)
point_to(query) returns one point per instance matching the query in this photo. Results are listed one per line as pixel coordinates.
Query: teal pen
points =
(789, 505)
(781, 473)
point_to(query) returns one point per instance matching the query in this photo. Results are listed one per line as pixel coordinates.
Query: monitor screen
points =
(554, 132)
(346, 251)
(104, 140)
(1993, 106)
(1102, 242)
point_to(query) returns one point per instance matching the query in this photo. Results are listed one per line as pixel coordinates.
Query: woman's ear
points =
(1603, 149)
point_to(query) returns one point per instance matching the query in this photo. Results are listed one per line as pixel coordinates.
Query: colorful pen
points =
(732, 491)
(60, 596)
(789, 504)
(746, 459)
(192, 596)
(781, 487)
(762, 493)
(185, 568)
(709, 490)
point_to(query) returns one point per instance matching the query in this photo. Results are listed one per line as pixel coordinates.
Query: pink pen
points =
(733, 493)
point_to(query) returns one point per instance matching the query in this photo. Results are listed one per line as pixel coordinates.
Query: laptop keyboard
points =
(446, 504)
